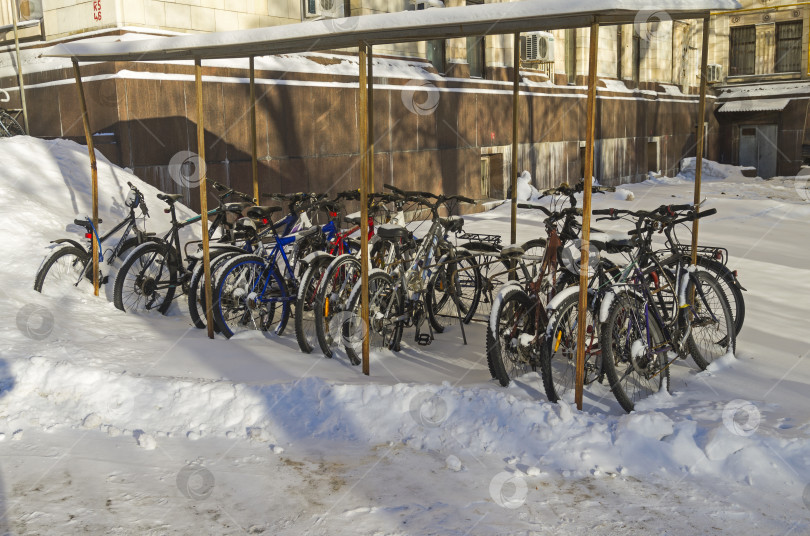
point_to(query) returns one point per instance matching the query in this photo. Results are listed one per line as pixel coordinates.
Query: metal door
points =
(766, 151)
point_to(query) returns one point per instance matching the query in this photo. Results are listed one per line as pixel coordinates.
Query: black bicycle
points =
(154, 271)
(70, 264)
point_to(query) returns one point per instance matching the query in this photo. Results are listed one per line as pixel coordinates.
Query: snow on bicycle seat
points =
(169, 198)
(512, 251)
(452, 223)
(612, 244)
(389, 231)
(263, 211)
(236, 207)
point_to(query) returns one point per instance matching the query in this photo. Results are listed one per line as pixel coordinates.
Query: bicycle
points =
(8, 123)
(73, 260)
(426, 288)
(519, 316)
(153, 271)
(297, 219)
(339, 277)
(661, 310)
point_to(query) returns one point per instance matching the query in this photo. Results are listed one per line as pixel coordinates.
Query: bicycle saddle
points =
(354, 220)
(392, 232)
(512, 251)
(453, 223)
(85, 223)
(169, 198)
(237, 207)
(262, 211)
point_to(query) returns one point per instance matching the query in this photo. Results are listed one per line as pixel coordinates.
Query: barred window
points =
(743, 41)
(788, 47)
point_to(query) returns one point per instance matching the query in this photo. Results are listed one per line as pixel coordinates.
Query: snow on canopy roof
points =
(444, 23)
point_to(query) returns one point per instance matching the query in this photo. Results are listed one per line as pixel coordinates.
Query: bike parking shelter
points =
(363, 32)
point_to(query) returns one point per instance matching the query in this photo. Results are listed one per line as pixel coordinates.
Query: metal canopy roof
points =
(444, 23)
(755, 105)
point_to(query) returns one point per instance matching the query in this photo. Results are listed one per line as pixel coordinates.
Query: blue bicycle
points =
(252, 288)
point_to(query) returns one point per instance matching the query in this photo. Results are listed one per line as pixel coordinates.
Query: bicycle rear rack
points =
(495, 240)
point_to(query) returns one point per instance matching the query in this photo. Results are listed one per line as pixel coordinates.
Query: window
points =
(475, 56)
(30, 10)
(475, 49)
(571, 55)
(436, 55)
(619, 52)
(788, 47)
(743, 46)
(636, 74)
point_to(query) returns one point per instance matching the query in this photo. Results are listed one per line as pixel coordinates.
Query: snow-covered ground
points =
(124, 424)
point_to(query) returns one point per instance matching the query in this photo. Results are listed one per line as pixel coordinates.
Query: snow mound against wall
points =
(711, 170)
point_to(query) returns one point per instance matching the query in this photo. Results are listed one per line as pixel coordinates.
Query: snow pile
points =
(525, 190)
(711, 170)
(45, 185)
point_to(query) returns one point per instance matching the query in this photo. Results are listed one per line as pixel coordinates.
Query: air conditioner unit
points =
(325, 8)
(419, 5)
(714, 73)
(537, 47)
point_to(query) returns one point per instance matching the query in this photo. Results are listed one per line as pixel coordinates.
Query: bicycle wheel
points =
(146, 280)
(305, 303)
(384, 307)
(247, 295)
(196, 290)
(333, 296)
(9, 126)
(559, 356)
(531, 261)
(453, 292)
(723, 277)
(494, 273)
(512, 348)
(65, 267)
(710, 320)
(634, 351)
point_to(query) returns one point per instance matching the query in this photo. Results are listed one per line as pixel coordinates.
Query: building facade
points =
(443, 108)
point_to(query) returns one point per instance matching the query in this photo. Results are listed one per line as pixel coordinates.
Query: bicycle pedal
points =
(424, 339)
(104, 280)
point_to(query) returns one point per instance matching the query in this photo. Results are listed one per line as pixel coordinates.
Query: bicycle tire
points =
(710, 320)
(559, 354)
(619, 353)
(439, 302)
(305, 302)
(154, 257)
(725, 278)
(333, 296)
(57, 268)
(10, 126)
(384, 303)
(196, 292)
(237, 303)
(513, 319)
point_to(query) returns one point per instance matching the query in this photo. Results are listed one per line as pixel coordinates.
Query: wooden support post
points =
(20, 76)
(253, 142)
(590, 129)
(203, 197)
(362, 125)
(370, 100)
(88, 135)
(515, 119)
(704, 60)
